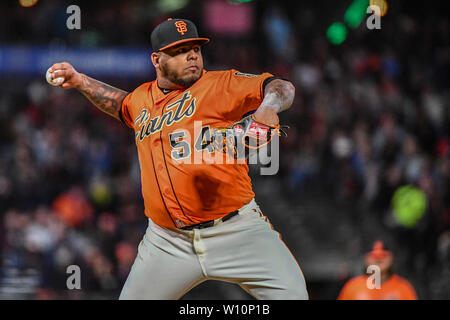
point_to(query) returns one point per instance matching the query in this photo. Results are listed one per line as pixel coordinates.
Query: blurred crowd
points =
(370, 116)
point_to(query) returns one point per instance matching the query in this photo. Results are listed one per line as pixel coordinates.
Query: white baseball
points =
(54, 82)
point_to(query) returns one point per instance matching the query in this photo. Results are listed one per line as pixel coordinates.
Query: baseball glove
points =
(245, 137)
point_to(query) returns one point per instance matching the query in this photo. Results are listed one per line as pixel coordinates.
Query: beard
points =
(173, 76)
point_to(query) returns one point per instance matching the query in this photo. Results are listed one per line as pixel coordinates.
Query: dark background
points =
(370, 115)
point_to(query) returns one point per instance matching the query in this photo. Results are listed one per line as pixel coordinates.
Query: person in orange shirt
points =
(389, 286)
(204, 222)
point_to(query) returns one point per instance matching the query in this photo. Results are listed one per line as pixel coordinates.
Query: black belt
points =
(210, 223)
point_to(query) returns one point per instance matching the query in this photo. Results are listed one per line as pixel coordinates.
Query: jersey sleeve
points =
(124, 112)
(248, 90)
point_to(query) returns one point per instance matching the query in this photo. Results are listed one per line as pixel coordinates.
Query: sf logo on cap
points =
(181, 27)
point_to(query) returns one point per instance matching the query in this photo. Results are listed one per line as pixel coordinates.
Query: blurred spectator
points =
(73, 207)
(392, 286)
(125, 255)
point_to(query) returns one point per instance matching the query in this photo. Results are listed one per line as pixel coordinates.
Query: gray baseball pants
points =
(244, 250)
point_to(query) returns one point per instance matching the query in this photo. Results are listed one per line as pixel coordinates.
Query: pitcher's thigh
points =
(158, 275)
(250, 253)
(278, 275)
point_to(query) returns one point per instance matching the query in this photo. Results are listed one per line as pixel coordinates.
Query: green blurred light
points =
(355, 13)
(337, 33)
(409, 205)
(171, 5)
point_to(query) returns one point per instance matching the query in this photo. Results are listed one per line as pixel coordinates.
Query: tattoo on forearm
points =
(278, 94)
(105, 97)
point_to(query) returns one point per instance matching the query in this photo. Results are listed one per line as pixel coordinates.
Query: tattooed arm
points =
(278, 96)
(105, 97)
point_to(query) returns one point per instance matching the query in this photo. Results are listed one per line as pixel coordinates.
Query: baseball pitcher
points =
(189, 124)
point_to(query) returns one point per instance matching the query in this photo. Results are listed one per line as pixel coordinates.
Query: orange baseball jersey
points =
(181, 182)
(395, 288)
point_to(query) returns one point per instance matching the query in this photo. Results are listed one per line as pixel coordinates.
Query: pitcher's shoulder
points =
(214, 74)
(144, 87)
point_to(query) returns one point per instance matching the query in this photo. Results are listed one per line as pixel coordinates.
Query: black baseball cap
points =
(173, 32)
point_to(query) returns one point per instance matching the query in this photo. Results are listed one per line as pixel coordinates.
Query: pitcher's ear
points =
(155, 59)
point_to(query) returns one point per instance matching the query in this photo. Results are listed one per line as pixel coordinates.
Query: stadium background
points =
(371, 115)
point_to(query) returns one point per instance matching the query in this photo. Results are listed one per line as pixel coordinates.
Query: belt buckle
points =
(206, 224)
(200, 225)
